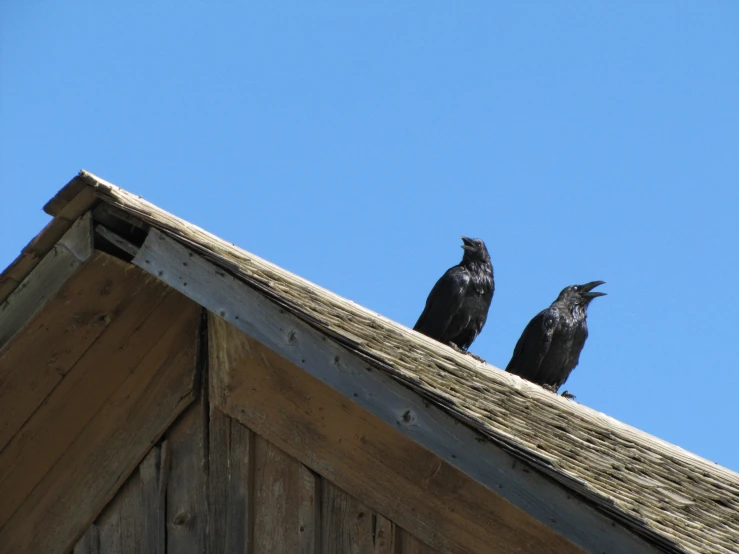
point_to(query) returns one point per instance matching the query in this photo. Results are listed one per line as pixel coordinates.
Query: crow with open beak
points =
(457, 307)
(549, 348)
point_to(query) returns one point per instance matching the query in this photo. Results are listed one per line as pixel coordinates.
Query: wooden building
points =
(163, 391)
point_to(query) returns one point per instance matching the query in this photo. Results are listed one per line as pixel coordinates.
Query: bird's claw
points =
(550, 388)
(463, 351)
(478, 358)
(457, 348)
(568, 395)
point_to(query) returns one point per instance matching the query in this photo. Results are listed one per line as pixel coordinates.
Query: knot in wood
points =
(182, 518)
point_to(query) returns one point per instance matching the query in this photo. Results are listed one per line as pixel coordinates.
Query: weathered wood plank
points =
(384, 535)
(18, 269)
(119, 522)
(549, 503)
(68, 460)
(89, 543)
(275, 493)
(68, 198)
(153, 476)
(309, 512)
(84, 391)
(365, 457)
(187, 509)
(346, 522)
(40, 356)
(133, 521)
(230, 479)
(35, 250)
(411, 545)
(39, 286)
(116, 240)
(280, 502)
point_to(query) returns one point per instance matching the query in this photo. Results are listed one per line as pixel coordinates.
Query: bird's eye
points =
(575, 288)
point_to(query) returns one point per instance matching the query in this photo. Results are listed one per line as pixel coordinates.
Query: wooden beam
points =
(116, 240)
(43, 282)
(549, 503)
(80, 445)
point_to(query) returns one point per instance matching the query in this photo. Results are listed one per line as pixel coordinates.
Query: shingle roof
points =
(679, 501)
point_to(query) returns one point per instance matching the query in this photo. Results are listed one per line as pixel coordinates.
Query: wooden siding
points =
(89, 385)
(212, 485)
(365, 456)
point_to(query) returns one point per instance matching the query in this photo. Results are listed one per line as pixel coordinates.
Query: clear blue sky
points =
(353, 143)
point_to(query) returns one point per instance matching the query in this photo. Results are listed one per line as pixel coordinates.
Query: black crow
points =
(549, 348)
(457, 306)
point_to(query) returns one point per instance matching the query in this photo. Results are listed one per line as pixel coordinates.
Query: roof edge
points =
(137, 207)
(59, 201)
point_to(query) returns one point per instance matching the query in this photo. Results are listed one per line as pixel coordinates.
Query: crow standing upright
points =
(550, 346)
(457, 306)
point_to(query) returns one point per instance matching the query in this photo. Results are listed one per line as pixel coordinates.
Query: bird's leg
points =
(550, 388)
(568, 395)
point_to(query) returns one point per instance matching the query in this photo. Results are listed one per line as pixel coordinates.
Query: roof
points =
(673, 498)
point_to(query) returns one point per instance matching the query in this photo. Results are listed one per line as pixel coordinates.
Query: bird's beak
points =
(588, 287)
(468, 244)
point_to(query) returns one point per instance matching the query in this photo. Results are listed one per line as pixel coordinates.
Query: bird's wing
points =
(533, 345)
(443, 302)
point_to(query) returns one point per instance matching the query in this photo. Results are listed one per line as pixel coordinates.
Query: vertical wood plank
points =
(153, 473)
(134, 520)
(411, 545)
(346, 522)
(283, 498)
(89, 543)
(187, 510)
(309, 513)
(230, 479)
(384, 535)
(275, 490)
(117, 524)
